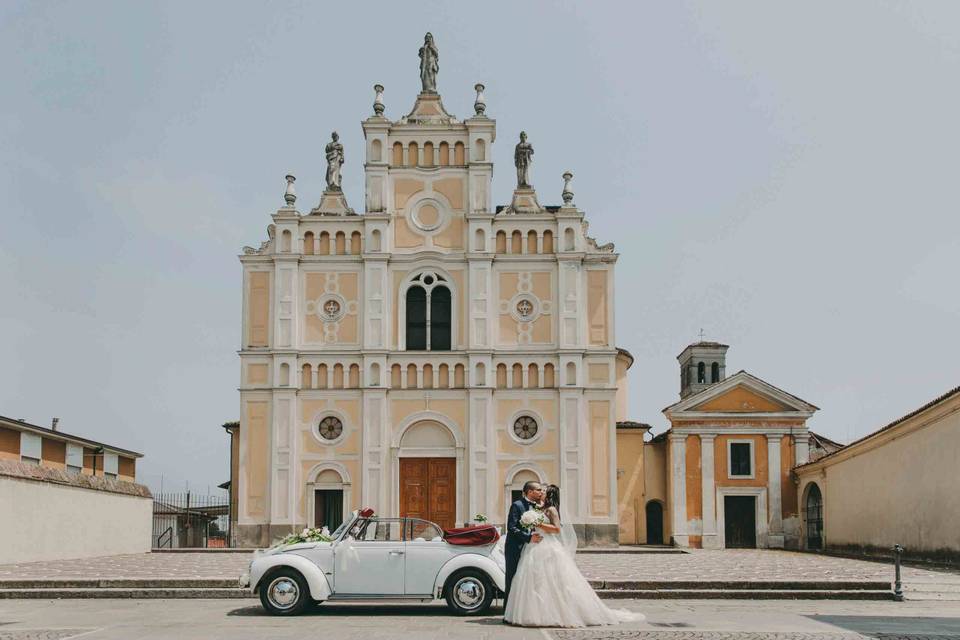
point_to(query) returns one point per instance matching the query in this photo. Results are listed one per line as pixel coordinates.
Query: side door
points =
(426, 553)
(372, 561)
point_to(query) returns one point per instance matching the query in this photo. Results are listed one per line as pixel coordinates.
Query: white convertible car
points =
(382, 559)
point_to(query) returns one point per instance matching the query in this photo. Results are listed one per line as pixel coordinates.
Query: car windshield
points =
(343, 525)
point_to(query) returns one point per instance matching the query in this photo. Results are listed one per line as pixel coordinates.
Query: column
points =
(708, 492)
(775, 535)
(678, 498)
(801, 448)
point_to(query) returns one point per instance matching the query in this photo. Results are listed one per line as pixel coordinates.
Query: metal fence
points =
(190, 520)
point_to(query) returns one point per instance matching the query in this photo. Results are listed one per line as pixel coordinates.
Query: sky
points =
(783, 176)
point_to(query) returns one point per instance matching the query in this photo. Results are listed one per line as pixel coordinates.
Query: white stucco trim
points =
(450, 283)
(761, 513)
(344, 485)
(541, 427)
(326, 413)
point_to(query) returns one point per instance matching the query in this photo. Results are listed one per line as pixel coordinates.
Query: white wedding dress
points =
(548, 589)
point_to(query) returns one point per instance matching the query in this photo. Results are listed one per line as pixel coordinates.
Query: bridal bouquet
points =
(532, 519)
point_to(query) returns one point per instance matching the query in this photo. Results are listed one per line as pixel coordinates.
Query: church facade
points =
(433, 351)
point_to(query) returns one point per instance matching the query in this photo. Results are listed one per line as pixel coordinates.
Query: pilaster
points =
(678, 499)
(775, 535)
(708, 488)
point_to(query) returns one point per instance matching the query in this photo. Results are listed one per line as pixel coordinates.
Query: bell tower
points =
(701, 365)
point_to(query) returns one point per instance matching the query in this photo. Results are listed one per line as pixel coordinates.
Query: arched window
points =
(813, 514)
(480, 375)
(376, 148)
(571, 374)
(444, 154)
(548, 241)
(516, 242)
(306, 376)
(458, 376)
(533, 376)
(374, 379)
(411, 376)
(501, 242)
(322, 374)
(428, 376)
(480, 149)
(396, 376)
(429, 314)
(549, 376)
(458, 155)
(428, 154)
(354, 380)
(701, 373)
(397, 154)
(531, 242)
(376, 240)
(338, 376)
(355, 243)
(308, 243)
(479, 241)
(324, 249)
(569, 242)
(715, 372)
(517, 376)
(413, 153)
(341, 238)
(284, 375)
(443, 376)
(286, 240)
(501, 376)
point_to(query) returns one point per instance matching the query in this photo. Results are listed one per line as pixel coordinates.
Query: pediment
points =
(740, 394)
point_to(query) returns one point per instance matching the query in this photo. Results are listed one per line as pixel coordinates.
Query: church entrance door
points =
(740, 522)
(428, 489)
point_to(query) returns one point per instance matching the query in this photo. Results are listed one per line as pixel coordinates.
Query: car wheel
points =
(284, 592)
(469, 592)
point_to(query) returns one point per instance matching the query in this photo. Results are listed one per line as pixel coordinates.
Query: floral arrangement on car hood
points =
(308, 535)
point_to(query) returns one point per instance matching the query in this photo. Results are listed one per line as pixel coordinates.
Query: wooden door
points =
(428, 489)
(740, 522)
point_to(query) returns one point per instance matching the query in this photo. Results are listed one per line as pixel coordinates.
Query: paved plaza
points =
(665, 620)
(730, 565)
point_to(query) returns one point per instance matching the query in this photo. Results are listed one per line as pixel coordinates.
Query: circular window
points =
(330, 428)
(525, 427)
(428, 215)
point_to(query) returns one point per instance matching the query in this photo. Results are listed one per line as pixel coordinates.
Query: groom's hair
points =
(530, 485)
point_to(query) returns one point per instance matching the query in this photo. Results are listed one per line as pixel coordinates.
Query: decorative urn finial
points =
(480, 104)
(290, 195)
(378, 100)
(567, 193)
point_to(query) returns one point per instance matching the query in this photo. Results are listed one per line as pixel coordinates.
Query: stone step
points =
(742, 585)
(125, 593)
(121, 583)
(744, 594)
(629, 550)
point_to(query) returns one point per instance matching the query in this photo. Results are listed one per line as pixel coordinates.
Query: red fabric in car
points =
(471, 536)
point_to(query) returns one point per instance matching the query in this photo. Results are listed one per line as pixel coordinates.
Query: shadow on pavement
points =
(494, 615)
(871, 625)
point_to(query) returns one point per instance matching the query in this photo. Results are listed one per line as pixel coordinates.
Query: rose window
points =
(331, 308)
(525, 427)
(524, 308)
(330, 428)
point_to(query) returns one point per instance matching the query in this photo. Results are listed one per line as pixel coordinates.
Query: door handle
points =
(396, 553)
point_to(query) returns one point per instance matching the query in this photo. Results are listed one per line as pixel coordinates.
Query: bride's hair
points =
(552, 497)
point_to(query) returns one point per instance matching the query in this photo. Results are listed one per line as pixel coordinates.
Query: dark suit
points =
(517, 536)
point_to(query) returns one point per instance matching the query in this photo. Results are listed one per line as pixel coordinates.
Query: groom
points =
(517, 536)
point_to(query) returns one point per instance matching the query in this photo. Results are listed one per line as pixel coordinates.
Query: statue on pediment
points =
(522, 158)
(429, 64)
(335, 158)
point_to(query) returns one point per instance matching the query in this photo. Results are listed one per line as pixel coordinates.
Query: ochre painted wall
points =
(630, 485)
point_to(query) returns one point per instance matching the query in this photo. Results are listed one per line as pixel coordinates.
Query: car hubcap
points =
(283, 593)
(468, 593)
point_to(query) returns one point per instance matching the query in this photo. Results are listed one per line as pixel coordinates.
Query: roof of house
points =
(946, 396)
(60, 435)
(730, 381)
(820, 439)
(630, 424)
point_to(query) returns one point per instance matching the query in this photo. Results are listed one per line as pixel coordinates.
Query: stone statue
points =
(334, 151)
(522, 157)
(429, 64)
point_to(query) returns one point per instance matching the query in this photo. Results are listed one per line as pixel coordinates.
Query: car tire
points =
(469, 592)
(284, 592)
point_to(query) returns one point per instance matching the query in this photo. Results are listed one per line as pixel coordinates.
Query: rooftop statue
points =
(429, 64)
(522, 157)
(334, 151)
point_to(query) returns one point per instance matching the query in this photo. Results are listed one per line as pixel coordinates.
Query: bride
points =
(549, 590)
